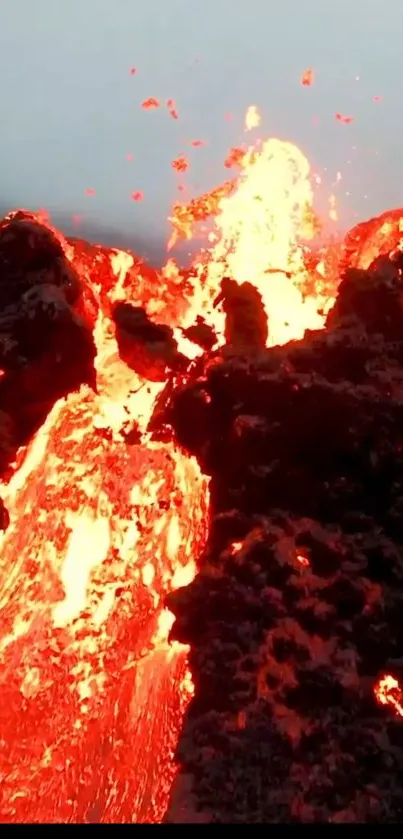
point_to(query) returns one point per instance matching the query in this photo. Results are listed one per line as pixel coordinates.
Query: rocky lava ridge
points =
(295, 615)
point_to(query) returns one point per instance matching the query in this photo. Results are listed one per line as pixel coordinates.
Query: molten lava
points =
(100, 531)
(96, 539)
(389, 692)
(263, 223)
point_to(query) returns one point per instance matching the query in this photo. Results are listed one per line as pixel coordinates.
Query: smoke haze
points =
(71, 110)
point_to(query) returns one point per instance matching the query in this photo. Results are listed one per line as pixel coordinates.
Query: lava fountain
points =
(93, 693)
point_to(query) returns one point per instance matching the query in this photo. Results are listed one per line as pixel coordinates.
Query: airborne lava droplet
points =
(137, 196)
(197, 143)
(307, 78)
(90, 191)
(172, 108)
(234, 158)
(345, 119)
(150, 104)
(133, 71)
(252, 118)
(180, 164)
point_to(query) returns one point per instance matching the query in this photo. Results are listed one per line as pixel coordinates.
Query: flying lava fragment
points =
(137, 196)
(234, 158)
(172, 109)
(307, 78)
(150, 104)
(180, 164)
(252, 118)
(344, 119)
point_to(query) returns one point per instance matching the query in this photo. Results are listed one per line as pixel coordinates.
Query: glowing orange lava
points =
(263, 222)
(92, 693)
(252, 118)
(388, 692)
(307, 78)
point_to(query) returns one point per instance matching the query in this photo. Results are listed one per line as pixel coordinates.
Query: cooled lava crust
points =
(46, 320)
(47, 316)
(296, 612)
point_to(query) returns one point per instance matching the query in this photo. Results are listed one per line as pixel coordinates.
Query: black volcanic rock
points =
(46, 321)
(245, 318)
(201, 334)
(295, 614)
(147, 347)
(371, 300)
(31, 255)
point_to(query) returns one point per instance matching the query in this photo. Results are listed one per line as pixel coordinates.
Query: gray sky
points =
(70, 110)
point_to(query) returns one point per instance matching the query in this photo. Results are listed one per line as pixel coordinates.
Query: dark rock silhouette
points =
(147, 347)
(46, 341)
(295, 614)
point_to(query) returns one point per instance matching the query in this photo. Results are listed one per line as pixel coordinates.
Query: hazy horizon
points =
(71, 109)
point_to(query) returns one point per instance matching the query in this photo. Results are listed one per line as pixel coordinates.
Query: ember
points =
(307, 78)
(159, 424)
(180, 164)
(389, 692)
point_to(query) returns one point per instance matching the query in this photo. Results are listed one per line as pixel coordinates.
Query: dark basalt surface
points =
(51, 290)
(296, 610)
(46, 319)
(146, 347)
